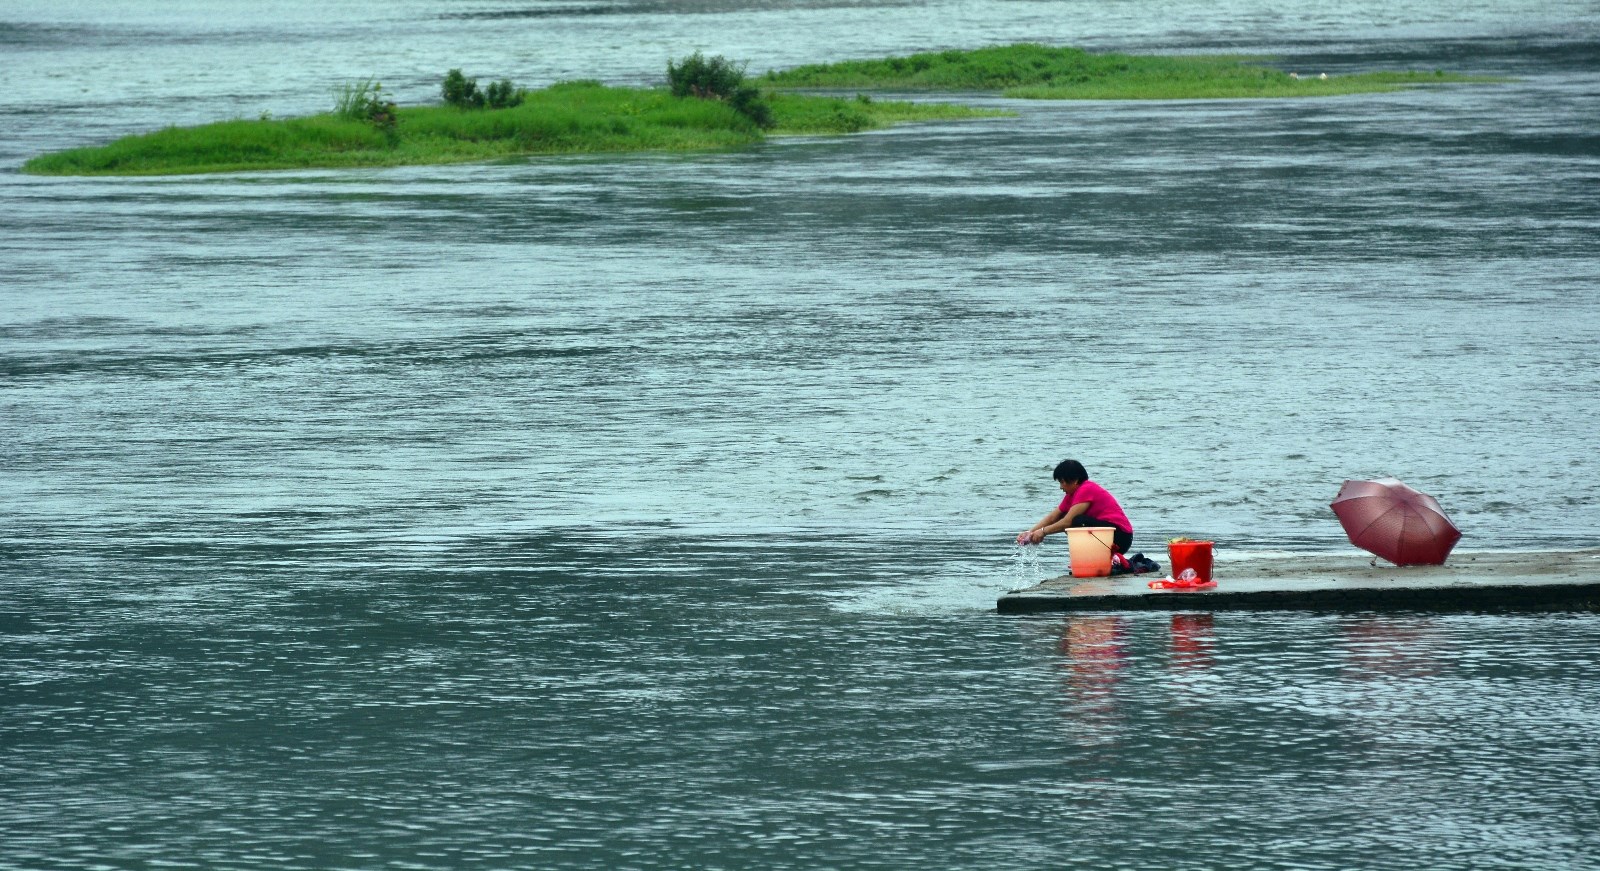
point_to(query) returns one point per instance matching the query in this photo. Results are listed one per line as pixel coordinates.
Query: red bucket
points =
(1190, 555)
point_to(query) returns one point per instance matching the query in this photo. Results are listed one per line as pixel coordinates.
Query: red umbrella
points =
(1395, 522)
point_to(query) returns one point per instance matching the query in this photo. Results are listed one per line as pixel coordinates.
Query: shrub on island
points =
(365, 101)
(718, 78)
(463, 93)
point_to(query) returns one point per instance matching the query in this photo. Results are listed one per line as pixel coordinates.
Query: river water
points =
(649, 511)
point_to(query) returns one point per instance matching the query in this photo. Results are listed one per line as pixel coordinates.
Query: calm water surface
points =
(649, 511)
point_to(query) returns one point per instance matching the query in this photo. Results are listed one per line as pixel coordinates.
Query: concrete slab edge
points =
(1563, 597)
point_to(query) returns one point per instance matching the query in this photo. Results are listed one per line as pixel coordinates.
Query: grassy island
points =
(567, 118)
(1041, 72)
(708, 104)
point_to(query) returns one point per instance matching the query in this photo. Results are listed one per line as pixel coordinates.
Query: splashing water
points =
(1027, 566)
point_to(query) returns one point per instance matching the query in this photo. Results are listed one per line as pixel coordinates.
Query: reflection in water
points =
(1193, 640)
(1096, 647)
(1102, 672)
(1378, 646)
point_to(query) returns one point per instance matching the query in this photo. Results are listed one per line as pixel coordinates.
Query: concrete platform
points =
(1468, 581)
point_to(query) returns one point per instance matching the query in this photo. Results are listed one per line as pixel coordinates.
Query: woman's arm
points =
(1062, 521)
(1028, 536)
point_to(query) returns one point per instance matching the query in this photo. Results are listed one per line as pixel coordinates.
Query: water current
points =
(649, 511)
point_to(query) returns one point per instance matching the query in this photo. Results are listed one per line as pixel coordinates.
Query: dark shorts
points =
(1121, 540)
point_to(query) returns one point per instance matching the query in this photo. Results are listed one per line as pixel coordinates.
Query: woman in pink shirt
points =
(1085, 504)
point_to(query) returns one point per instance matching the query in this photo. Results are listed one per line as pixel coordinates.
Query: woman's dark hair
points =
(1071, 470)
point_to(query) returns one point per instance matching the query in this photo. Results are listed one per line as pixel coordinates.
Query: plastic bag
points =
(1186, 580)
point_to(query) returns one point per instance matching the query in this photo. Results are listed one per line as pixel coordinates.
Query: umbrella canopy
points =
(1395, 522)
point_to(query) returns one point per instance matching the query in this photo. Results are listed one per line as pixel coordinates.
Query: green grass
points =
(1042, 72)
(587, 117)
(568, 118)
(810, 114)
